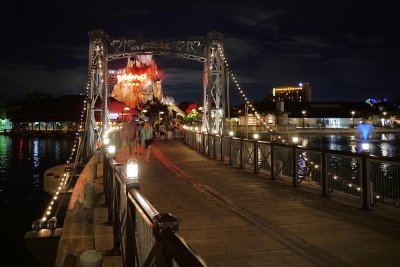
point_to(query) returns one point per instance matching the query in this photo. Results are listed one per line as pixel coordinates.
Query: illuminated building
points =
(301, 93)
(112, 79)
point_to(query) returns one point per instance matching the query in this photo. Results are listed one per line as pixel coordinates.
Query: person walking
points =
(169, 131)
(147, 139)
(128, 135)
(139, 139)
(163, 131)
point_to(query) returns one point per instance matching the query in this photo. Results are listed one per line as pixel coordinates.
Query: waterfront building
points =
(300, 93)
(58, 115)
(47, 115)
(288, 116)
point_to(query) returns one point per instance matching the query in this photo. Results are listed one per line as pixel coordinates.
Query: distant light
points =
(300, 84)
(256, 136)
(230, 133)
(106, 141)
(365, 147)
(295, 139)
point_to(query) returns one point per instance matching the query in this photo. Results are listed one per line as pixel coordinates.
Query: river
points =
(381, 144)
(23, 161)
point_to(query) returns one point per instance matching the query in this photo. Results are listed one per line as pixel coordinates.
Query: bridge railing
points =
(360, 179)
(142, 235)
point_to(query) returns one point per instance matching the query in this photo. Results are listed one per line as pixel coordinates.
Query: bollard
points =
(93, 172)
(96, 157)
(91, 258)
(89, 196)
(278, 169)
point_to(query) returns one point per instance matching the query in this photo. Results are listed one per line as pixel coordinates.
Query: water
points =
(23, 162)
(381, 144)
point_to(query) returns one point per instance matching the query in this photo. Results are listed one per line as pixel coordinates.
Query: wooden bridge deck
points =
(232, 217)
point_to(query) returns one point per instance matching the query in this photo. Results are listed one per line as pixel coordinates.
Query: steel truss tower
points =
(102, 49)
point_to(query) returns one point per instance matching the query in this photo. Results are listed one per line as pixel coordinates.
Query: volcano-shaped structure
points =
(139, 83)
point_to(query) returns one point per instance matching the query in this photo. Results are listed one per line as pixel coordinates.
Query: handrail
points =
(362, 177)
(142, 235)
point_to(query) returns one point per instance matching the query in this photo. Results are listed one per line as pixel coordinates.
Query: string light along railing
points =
(275, 135)
(44, 221)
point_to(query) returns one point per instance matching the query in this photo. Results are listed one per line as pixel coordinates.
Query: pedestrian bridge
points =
(216, 214)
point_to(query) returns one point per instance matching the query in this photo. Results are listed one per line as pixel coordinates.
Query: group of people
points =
(137, 137)
(170, 130)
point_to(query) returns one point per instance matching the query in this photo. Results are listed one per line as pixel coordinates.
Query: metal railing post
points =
(208, 145)
(241, 153)
(215, 147)
(294, 162)
(106, 178)
(272, 162)
(324, 176)
(255, 157)
(203, 143)
(162, 222)
(365, 183)
(230, 150)
(222, 153)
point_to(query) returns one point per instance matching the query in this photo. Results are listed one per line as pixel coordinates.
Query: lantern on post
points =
(132, 174)
(132, 169)
(111, 151)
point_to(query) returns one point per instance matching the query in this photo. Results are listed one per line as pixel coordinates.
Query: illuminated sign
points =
(132, 78)
(113, 116)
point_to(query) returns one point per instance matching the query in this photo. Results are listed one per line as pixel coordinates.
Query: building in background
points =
(300, 93)
(112, 79)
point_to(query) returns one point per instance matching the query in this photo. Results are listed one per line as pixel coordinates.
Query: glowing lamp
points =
(256, 136)
(111, 151)
(196, 128)
(132, 169)
(295, 139)
(365, 147)
(106, 140)
(230, 133)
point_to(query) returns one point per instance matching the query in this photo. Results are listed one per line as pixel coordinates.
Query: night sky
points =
(347, 50)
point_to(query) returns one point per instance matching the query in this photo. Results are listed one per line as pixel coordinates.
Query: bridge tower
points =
(214, 83)
(103, 48)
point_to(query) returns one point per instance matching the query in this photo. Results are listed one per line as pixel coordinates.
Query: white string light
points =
(247, 103)
(64, 183)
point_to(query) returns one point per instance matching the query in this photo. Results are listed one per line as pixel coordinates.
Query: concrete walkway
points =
(231, 217)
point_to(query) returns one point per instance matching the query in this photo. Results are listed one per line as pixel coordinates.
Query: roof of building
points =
(63, 108)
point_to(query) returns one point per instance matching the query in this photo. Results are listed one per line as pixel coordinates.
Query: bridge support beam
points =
(214, 84)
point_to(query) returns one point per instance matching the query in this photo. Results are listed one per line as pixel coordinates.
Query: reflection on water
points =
(23, 162)
(385, 144)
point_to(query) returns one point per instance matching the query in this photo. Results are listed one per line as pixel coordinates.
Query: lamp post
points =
(304, 116)
(384, 118)
(352, 116)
